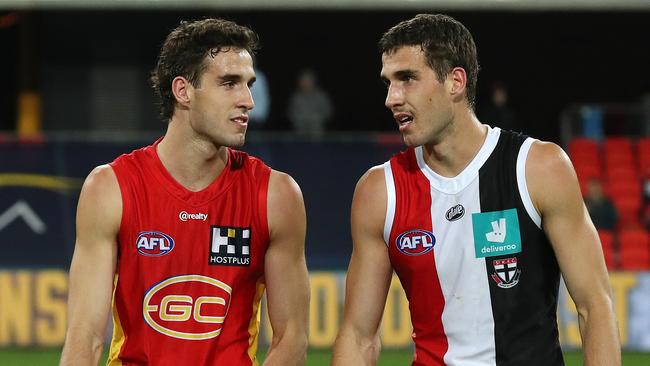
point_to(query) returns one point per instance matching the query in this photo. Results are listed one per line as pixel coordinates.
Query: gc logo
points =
(190, 307)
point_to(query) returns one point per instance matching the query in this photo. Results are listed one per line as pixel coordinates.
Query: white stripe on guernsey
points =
(523, 186)
(459, 182)
(390, 201)
(467, 316)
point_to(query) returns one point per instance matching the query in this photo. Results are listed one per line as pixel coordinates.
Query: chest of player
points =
(451, 234)
(162, 236)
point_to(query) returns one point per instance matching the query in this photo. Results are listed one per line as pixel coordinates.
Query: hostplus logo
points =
(230, 246)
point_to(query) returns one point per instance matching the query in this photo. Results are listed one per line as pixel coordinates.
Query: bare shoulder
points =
(550, 175)
(101, 184)
(544, 156)
(371, 183)
(369, 203)
(285, 206)
(100, 200)
(283, 189)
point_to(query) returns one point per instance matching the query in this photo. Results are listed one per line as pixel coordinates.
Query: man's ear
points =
(458, 81)
(183, 90)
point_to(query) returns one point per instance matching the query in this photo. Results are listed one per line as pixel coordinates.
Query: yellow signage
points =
(33, 309)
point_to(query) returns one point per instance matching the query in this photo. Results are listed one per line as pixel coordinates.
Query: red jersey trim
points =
(418, 274)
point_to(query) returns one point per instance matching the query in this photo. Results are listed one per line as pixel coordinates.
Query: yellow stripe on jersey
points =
(254, 325)
(118, 335)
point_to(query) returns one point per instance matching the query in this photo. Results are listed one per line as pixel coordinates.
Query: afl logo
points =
(415, 242)
(455, 213)
(189, 307)
(154, 243)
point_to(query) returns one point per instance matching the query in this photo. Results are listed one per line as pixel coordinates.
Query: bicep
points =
(285, 269)
(95, 254)
(369, 273)
(566, 222)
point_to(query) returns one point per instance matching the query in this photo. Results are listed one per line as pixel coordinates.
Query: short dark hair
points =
(446, 44)
(184, 52)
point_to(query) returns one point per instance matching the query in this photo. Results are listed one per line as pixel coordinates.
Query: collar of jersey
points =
(171, 185)
(461, 181)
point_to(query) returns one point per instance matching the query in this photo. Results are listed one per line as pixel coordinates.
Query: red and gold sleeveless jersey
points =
(190, 264)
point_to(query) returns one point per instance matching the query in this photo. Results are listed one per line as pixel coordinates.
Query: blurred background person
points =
(260, 91)
(600, 207)
(309, 106)
(497, 112)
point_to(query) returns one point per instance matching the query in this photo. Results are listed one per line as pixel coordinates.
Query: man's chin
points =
(409, 141)
(232, 142)
(237, 142)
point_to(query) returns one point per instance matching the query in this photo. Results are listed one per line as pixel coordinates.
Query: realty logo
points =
(184, 216)
(496, 233)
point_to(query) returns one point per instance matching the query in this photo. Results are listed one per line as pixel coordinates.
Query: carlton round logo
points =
(415, 242)
(189, 307)
(154, 243)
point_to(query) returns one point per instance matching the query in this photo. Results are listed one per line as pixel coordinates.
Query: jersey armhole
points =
(390, 201)
(263, 203)
(523, 186)
(122, 185)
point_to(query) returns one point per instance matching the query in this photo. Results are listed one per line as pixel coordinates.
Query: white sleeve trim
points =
(390, 201)
(523, 186)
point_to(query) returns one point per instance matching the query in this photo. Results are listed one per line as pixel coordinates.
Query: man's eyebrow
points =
(401, 74)
(230, 77)
(236, 78)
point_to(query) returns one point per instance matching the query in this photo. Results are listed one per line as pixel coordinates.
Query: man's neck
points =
(455, 150)
(192, 160)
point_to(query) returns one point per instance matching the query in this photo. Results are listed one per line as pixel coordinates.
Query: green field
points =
(50, 357)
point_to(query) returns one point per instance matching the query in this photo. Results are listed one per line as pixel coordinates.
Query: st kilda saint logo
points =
(506, 274)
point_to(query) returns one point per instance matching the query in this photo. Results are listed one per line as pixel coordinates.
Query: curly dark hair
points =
(446, 44)
(185, 50)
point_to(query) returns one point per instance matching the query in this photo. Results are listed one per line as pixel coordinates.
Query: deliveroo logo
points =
(496, 233)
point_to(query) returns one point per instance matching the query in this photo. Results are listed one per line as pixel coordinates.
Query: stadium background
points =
(75, 95)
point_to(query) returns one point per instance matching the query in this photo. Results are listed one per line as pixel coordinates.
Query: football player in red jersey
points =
(176, 235)
(478, 224)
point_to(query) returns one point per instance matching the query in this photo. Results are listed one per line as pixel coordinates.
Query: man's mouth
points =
(403, 119)
(241, 120)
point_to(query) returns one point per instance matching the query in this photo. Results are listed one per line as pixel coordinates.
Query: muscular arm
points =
(93, 265)
(368, 277)
(286, 273)
(556, 195)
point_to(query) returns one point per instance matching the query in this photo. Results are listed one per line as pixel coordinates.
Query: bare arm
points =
(93, 265)
(285, 272)
(556, 195)
(368, 277)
